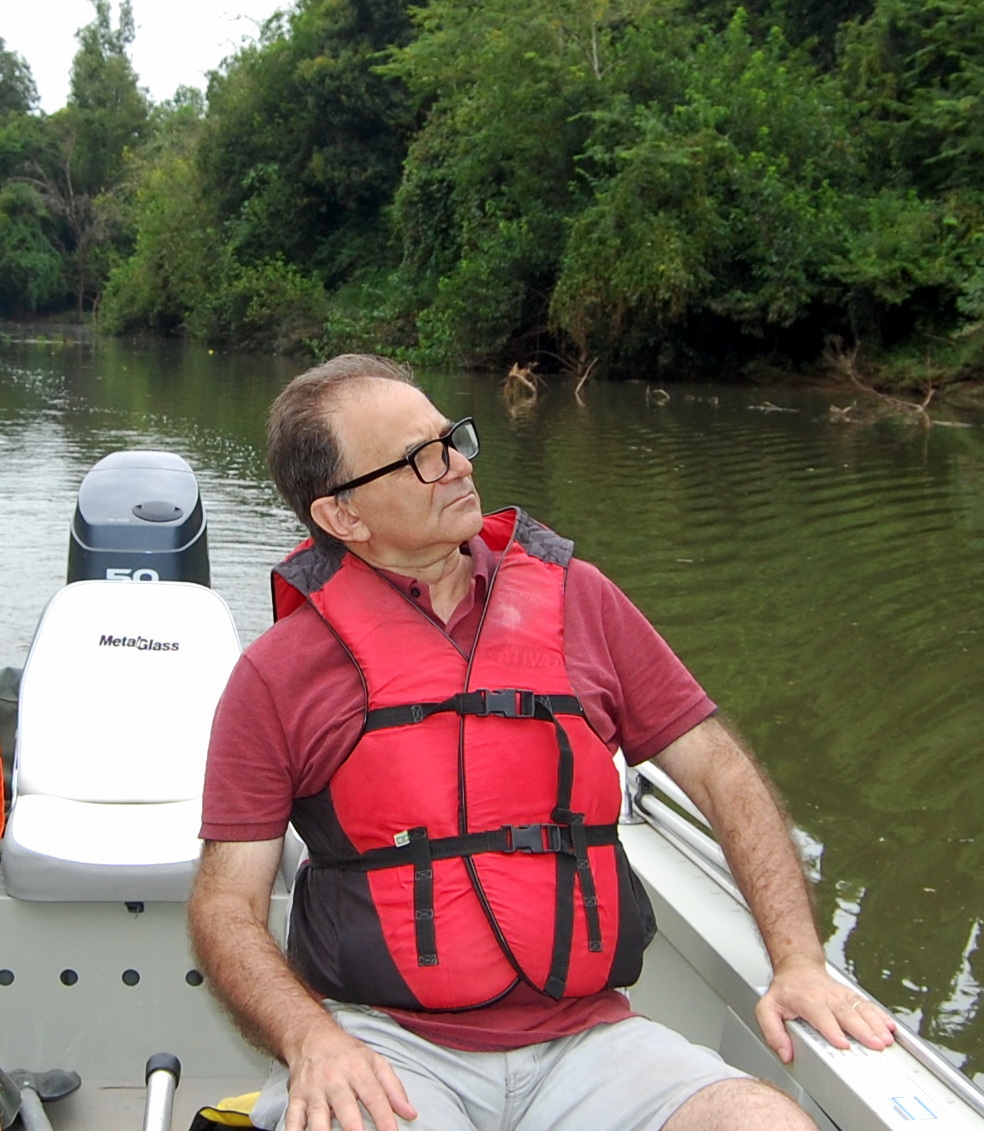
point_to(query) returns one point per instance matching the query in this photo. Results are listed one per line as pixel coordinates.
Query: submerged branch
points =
(844, 360)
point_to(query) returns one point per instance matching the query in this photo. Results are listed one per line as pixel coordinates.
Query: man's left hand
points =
(804, 989)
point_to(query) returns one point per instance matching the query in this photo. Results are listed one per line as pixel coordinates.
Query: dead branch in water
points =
(521, 378)
(585, 372)
(843, 359)
(521, 387)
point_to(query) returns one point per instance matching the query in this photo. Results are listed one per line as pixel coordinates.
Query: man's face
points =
(379, 423)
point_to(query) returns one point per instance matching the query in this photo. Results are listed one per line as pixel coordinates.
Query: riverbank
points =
(948, 374)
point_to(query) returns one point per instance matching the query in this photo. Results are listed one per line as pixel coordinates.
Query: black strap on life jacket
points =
(570, 869)
(425, 934)
(568, 836)
(507, 703)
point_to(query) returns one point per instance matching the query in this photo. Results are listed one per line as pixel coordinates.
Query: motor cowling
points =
(139, 517)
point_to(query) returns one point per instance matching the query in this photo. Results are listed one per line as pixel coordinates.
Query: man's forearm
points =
(332, 1075)
(754, 834)
(248, 972)
(755, 837)
(227, 919)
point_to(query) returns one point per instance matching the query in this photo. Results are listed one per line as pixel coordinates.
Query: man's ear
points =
(339, 518)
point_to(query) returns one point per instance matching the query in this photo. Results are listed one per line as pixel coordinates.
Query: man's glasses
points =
(430, 460)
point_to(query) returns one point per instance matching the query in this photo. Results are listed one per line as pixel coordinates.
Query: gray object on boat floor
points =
(24, 1093)
(9, 1100)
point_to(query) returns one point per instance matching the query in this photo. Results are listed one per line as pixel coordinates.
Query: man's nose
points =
(458, 465)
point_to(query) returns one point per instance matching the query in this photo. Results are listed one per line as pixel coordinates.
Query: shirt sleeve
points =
(248, 787)
(290, 714)
(636, 691)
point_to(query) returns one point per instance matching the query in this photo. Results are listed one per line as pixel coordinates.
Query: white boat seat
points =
(134, 852)
(115, 710)
(294, 853)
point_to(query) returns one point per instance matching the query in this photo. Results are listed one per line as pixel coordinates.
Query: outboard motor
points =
(139, 517)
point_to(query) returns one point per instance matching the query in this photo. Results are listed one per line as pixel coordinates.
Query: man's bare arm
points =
(730, 790)
(330, 1072)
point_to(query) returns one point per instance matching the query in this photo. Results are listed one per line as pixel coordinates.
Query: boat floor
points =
(98, 988)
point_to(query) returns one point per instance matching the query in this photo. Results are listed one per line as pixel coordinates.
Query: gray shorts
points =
(629, 1076)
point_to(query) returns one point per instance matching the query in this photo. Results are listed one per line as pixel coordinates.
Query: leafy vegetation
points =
(625, 186)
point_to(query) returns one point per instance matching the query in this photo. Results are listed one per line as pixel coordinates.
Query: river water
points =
(822, 578)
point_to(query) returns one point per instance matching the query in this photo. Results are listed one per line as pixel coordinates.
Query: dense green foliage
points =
(61, 224)
(18, 94)
(636, 186)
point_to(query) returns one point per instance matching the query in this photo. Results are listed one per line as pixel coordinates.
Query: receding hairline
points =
(357, 387)
(322, 383)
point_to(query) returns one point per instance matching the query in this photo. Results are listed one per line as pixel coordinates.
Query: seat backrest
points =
(119, 689)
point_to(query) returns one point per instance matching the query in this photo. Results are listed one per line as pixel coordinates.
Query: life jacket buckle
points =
(536, 839)
(508, 703)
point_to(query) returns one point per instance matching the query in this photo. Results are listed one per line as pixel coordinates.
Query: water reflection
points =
(822, 579)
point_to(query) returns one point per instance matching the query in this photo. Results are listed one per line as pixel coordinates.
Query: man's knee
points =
(739, 1105)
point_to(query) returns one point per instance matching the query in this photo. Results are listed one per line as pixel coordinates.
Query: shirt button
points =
(414, 591)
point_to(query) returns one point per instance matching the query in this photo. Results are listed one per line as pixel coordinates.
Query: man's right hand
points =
(332, 1073)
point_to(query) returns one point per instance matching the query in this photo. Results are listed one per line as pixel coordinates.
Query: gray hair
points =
(303, 448)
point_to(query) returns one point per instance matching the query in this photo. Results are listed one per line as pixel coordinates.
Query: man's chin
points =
(468, 511)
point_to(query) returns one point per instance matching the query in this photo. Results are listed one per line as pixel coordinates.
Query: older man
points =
(436, 715)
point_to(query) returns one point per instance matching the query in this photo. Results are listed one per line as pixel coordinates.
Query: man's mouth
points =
(468, 495)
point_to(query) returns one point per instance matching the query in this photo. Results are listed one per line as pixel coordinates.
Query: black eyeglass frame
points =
(447, 441)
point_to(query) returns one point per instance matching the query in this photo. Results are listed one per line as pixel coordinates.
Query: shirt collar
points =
(483, 562)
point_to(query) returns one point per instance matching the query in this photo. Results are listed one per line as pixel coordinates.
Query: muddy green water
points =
(824, 580)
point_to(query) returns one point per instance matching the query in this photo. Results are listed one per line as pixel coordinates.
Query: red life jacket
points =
(470, 838)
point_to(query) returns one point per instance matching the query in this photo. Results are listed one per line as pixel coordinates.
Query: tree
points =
(591, 181)
(18, 94)
(916, 71)
(177, 254)
(30, 264)
(814, 22)
(85, 222)
(915, 261)
(304, 140)
(726, 204)
(488, 182)
(807, 20)
(108, 109)
(495, 175)
(76, 164)
(183, 277)
(31, 267)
